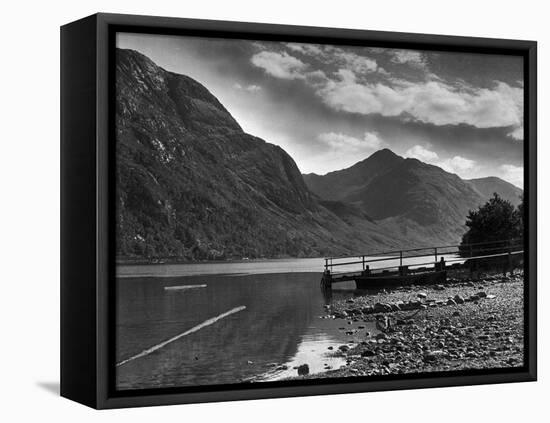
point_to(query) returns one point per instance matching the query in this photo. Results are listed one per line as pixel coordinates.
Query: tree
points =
(497, 220)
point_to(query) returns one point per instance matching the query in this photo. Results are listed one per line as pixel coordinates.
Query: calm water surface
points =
(218, 323)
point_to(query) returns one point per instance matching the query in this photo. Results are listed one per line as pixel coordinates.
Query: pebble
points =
(433, 355)
(303, 370)
(429, 339)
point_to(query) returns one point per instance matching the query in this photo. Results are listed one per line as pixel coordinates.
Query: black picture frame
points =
(87, 264)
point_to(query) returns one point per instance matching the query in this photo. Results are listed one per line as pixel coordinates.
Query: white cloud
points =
(410, 57)
(432, 101)
(250, 88)
(253, 88)
(517, 133)
(354, 62)
(344, 150)
(280, 65)
(429, 102)
(457, 164)
(422, 154)
(339, 141)
(337, 56)
(309, 49)
(513, 174)
(316, 78)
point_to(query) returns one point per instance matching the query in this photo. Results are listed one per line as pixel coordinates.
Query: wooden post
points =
(435, 253)
(442, 264)
(510, 264)
(366, 271)
(326, 264)
(401, 258)
(326, 280)
(363, 262)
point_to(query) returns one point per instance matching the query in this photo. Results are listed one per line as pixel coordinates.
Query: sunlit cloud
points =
(354, 62)
(457, 164)
(432, 101)
(252, 88)
(517, 133)
(346, 150)
(308, 49)
(340, 57)
(280, 65)
(513, 174)
(422, 154)
(370, 141)
(409, 57)
(429, 102)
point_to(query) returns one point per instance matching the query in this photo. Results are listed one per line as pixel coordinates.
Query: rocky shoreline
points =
(462, 325)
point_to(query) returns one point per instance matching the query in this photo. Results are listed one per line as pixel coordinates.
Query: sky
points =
(331, 106)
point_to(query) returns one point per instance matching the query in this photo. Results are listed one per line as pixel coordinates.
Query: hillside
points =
(341, 184)
(416, 200)
(191, 185)
(488, 186)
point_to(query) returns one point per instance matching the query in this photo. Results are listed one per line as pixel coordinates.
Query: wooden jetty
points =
(421, 266)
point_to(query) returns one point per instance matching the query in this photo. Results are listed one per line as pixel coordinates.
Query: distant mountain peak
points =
(381, 158)
(422, 199)
(382, 153)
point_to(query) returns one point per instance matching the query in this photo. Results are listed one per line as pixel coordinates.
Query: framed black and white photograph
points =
(269, 211)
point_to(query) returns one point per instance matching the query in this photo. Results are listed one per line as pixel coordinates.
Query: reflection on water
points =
(246, 267)
(281, 325)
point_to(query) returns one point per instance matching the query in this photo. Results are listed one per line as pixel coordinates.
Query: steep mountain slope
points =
(488, 186)
(418, 201)
(340, 184)
(416, 193)
(190, 184)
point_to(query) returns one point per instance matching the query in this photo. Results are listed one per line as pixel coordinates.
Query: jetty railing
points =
(423, 258)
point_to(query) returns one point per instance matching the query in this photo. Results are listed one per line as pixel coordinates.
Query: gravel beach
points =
(462, 325)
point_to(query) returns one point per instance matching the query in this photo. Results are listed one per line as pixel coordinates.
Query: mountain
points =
(192, 185)
(488, 186)
(340, 184)
(422, 202)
